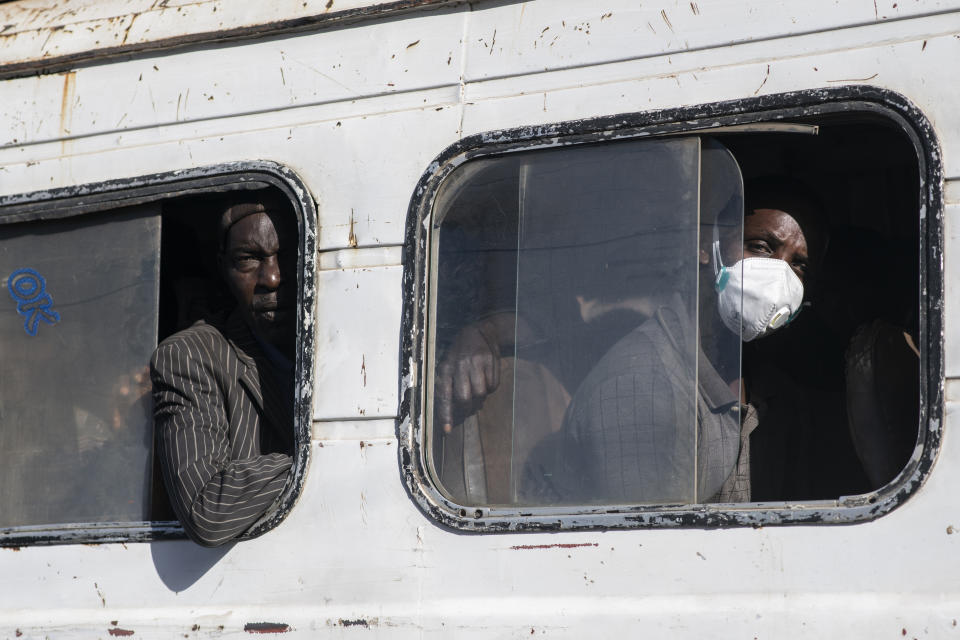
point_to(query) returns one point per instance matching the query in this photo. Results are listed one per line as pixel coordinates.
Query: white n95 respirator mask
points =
(756, 296)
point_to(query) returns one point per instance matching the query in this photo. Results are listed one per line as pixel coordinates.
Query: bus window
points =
(618, 325)
(91, 287)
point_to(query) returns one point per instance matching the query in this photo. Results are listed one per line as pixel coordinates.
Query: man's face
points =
(258, 263)
(771, 233)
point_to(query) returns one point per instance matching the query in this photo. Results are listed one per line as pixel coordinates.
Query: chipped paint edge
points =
(57, 64)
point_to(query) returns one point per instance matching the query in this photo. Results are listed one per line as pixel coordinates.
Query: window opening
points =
(836, 398)
(90, 293)
(851, 359)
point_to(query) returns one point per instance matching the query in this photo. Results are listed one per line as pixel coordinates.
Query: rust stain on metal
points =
(116, 631)
(126, 32)
(765, 78)
(950, 529)
(413, 44)
(266, 627)
(663, 14)
(66, 113)
(329, 5)
(855, 79)
(562, 545)
(363, 368)
(694, 8)
(352, 238)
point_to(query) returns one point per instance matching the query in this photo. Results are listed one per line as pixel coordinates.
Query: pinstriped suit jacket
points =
(224, 428)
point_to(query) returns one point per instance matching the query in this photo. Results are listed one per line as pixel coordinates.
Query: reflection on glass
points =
(75, 428)
(572, 363)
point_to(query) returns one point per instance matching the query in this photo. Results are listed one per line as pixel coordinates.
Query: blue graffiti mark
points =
(29, 291)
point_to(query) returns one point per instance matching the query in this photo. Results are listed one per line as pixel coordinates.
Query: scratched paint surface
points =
(59, 29)
(531, 37)
(357, 375)
(356, 554)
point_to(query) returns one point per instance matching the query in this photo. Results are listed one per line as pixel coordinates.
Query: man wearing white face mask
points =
(762, 292)
(759, 293)
(643, 452)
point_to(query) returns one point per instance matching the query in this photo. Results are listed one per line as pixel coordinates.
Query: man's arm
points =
(470, 368)
(215, 497)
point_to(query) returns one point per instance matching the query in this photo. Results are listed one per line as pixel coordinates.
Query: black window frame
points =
(700, 119)
(83, 199)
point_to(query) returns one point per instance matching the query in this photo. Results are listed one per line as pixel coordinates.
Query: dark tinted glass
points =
(78, 314)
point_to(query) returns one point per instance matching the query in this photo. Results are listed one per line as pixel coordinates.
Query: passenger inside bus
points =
(223, 390)
(620, 440)
(626, 447)
(830, 406)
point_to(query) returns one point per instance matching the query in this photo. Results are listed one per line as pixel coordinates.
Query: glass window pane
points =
(565, 328)
(78, 318)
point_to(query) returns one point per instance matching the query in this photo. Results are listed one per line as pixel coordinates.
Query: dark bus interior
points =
(854, 350)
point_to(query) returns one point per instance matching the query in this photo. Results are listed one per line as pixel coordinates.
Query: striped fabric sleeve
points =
(215, 497)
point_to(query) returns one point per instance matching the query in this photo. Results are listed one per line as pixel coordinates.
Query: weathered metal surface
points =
(356, 554)
(536, 37)
(357, 375)
(53, 36)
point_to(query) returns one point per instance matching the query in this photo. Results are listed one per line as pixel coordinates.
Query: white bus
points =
(559, 166)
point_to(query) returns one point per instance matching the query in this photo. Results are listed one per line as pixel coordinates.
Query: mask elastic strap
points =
(797, 312)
